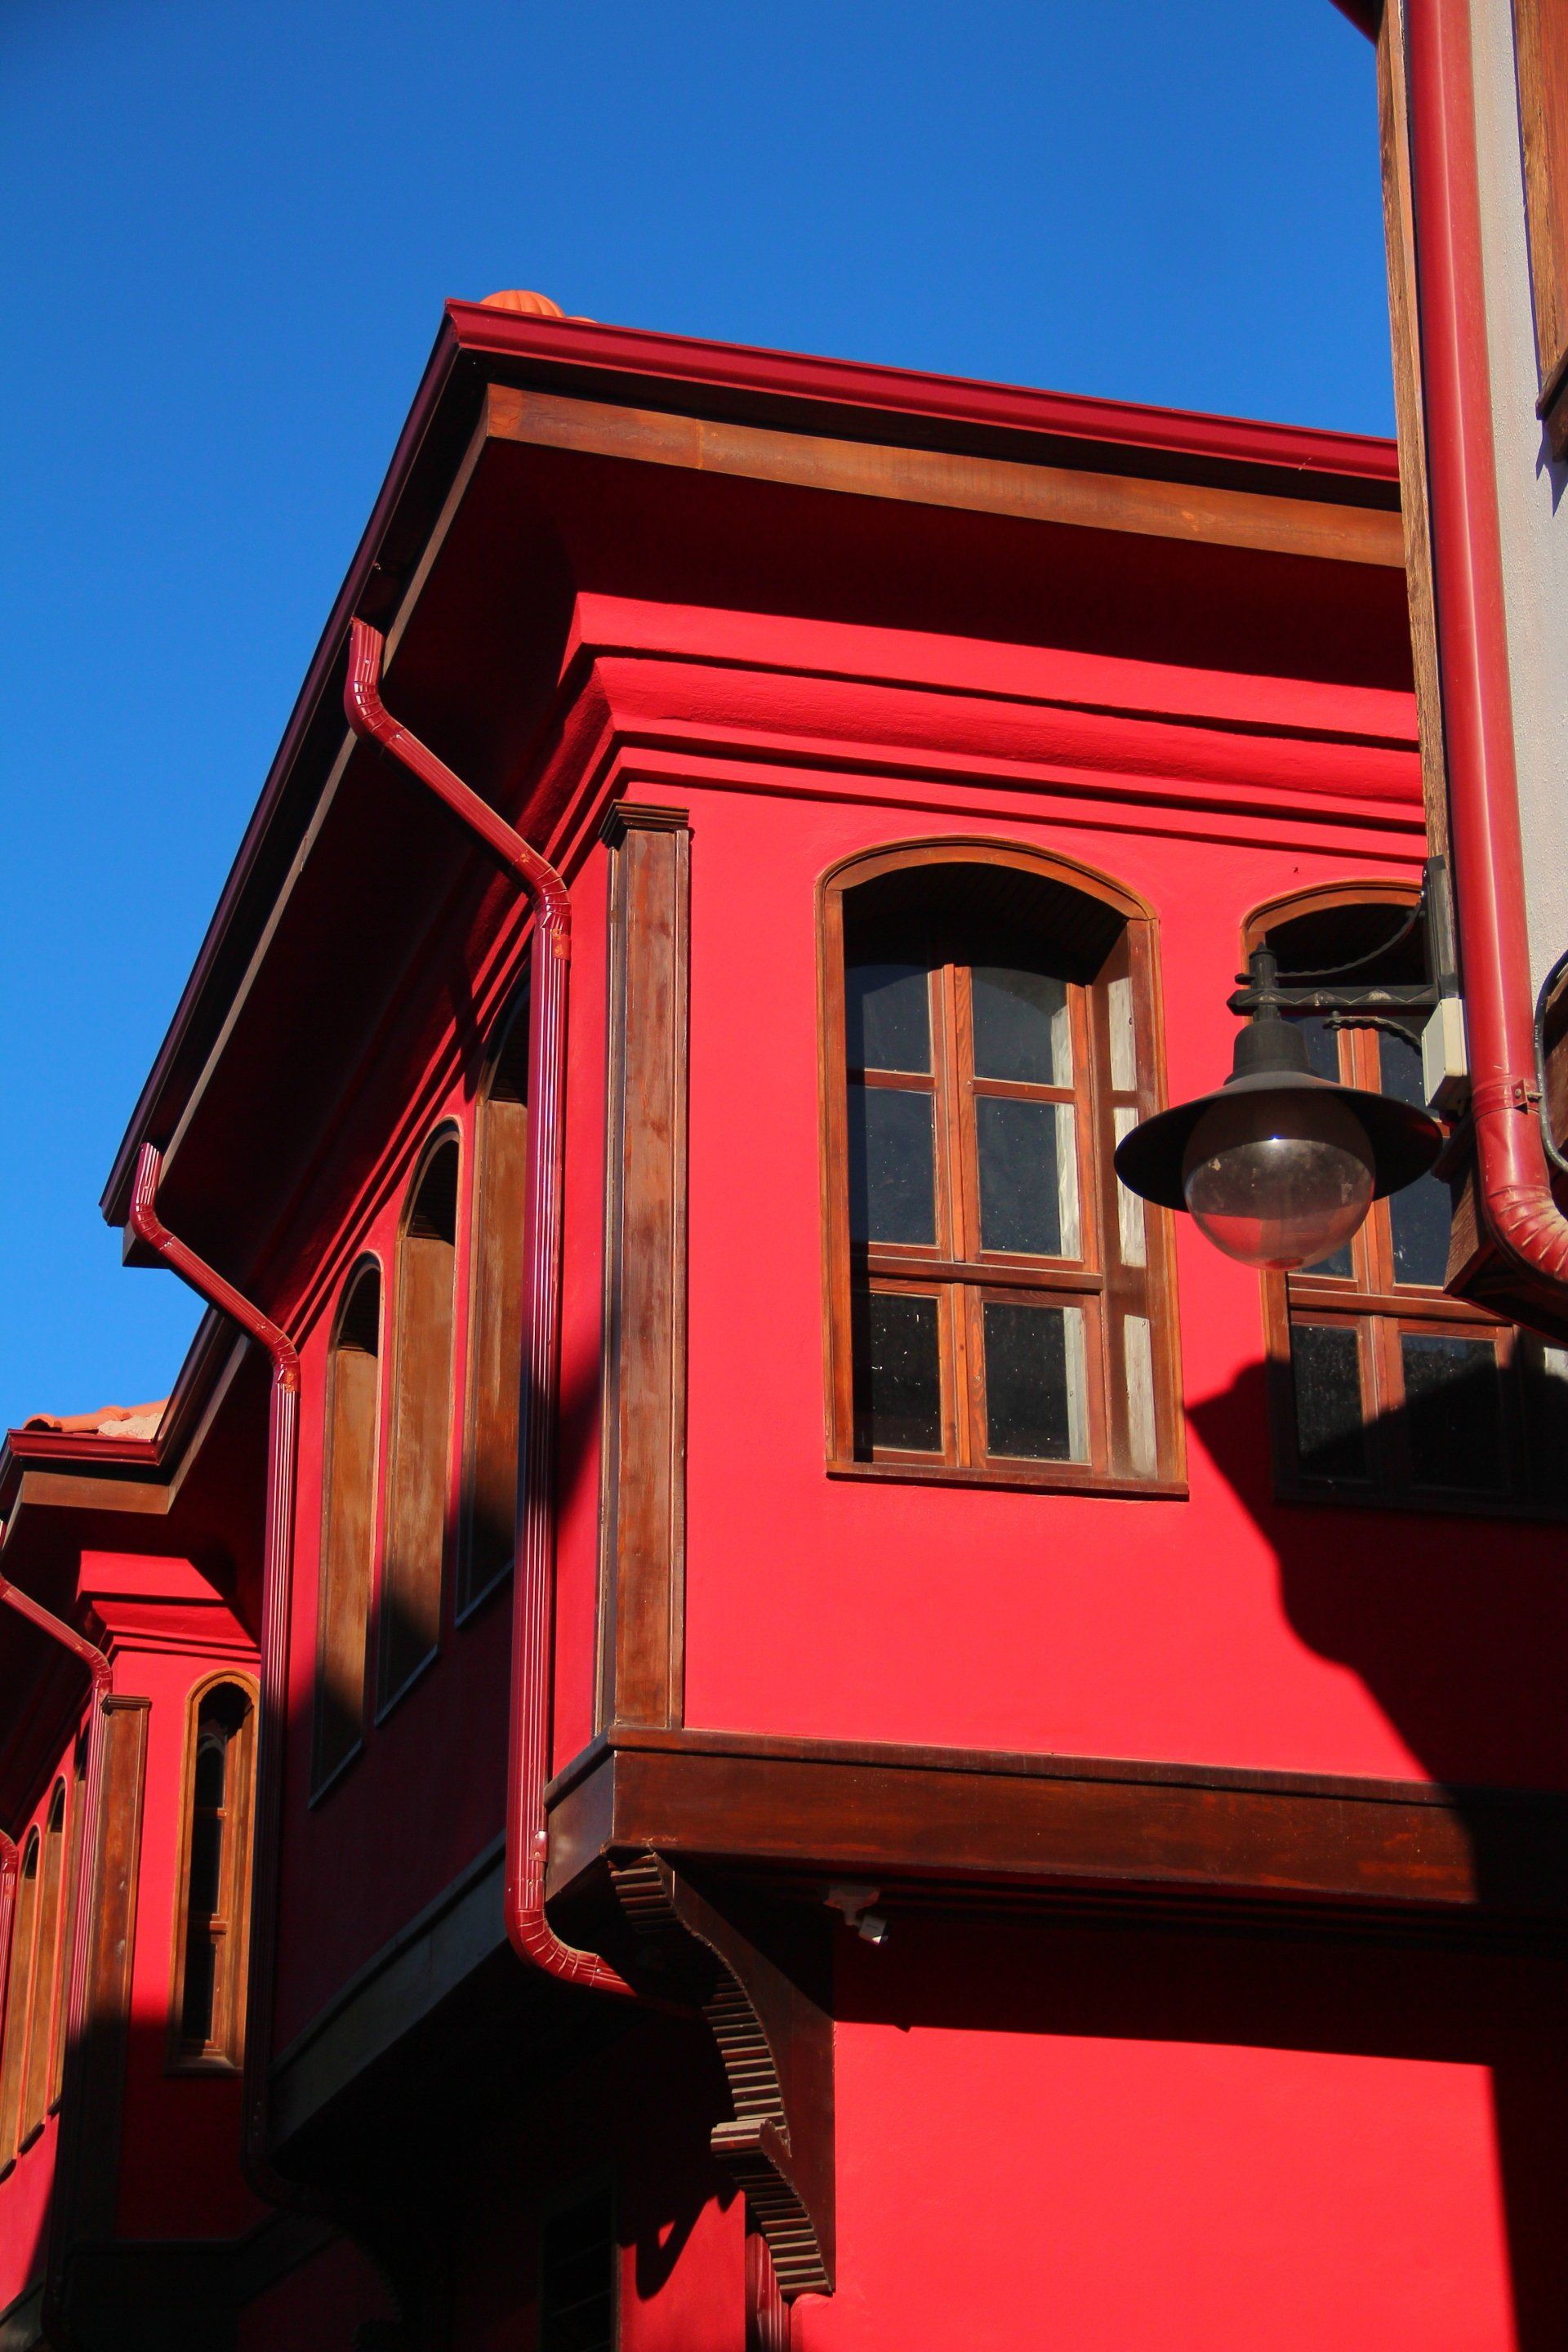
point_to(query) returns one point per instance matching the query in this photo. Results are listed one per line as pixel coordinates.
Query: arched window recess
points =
(348, 1521)
(1000, 1310)
(212, 1921)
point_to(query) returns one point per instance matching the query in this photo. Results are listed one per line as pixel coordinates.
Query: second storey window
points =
(1000, 1307)
(1386, 1388)
(207, 2024)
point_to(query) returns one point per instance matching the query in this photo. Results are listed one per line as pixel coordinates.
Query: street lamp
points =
(1279, 1167)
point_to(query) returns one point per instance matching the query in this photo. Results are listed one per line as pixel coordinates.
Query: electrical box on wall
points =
(1445, 1064)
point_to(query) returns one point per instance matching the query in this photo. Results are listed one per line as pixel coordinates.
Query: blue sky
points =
(230, 230)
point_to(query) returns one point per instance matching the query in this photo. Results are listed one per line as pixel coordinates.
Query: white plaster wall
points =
(1532, 496)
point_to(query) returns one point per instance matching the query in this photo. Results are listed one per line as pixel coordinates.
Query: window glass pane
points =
(196, 2006)
(207, 1863)
(1420, 1215)
(1323, 1056)
(212, 1767)
(1123, 1044)
(887, 1016)
(1330, 1434)
(1029, 1176)
(898, 1375)
(1021, 1026)
(1035, 1381)
(1452, 1413)
(892, 1194)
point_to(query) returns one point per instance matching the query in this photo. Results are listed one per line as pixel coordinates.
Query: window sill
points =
(215, 2063)
(470, 1608)
(1056, 1480)
(323, 1788)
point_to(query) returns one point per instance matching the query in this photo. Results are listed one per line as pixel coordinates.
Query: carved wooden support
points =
(775, 2038)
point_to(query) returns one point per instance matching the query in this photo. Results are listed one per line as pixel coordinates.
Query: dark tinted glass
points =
(1020, 1182)
(1027, 1410)
(212, 1767)
(892, 1195)
(577, 2278)
(1419, 1216)
(207, 1863)
(887, 1016)
(1453, 1411)
(1019, 1023)
(196, 2003)
(898, 1376)
(1323, 1054)
(1330, 1436)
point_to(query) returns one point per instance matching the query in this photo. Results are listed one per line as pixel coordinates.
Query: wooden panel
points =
(495, 1363)
(956, 1819)
(45, 1987)
(1540, 40)
(943, 478)
(348, 1525)
(18, 1998)
(96, 2073)
(643, 1517)
(409, 1607)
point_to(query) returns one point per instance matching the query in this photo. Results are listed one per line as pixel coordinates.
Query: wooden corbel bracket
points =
(757, 1987)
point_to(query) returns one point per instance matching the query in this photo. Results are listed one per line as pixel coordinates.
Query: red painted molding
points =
(906, 391)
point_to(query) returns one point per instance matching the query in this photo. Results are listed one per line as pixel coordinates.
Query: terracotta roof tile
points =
(109, 1420)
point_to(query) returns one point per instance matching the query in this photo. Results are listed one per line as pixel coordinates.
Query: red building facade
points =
(994, 1776)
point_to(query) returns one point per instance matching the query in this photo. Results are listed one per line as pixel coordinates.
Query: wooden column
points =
(95, 2075)
(643, 1499)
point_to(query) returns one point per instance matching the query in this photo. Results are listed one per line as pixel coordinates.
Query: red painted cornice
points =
(680, 360)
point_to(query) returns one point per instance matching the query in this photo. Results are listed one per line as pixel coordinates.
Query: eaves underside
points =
(1128, 462)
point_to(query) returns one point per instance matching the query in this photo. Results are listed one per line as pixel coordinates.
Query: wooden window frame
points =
(1541, 56)
(1098, 1282)
(430, 1584)
(493, 1387)
(224, 2053)
(77, 1813)
(336, 1503)
(1382, 1311)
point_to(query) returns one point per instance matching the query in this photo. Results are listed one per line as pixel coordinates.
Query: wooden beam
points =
(642, 1514)
(1033, 493)
(958, 1821)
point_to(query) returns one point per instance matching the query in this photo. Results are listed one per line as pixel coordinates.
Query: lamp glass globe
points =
(1279, 1178)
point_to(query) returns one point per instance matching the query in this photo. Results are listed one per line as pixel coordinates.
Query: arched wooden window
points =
(495, 1315)
(410, 1597)
(43, 2004)
(1000, 1309)
(18, 1999)
(213, 1920)
(69, 1898)
(348, 1522)
(1383, 1388)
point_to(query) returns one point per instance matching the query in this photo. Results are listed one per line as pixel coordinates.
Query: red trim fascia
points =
(533, 1606)
(1519, 1215)
(906, 391)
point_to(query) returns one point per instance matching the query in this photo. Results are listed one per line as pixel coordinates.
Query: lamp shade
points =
(1279, 1166)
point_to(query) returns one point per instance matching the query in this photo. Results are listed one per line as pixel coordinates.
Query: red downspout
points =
(533, 1645)
(1488, 865)
(102, 1674)
(277, 1567)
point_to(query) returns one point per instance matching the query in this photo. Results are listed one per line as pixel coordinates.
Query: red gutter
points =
(533, 1647)
(277, 1574)
(1516, 1200)
(101, 1677)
